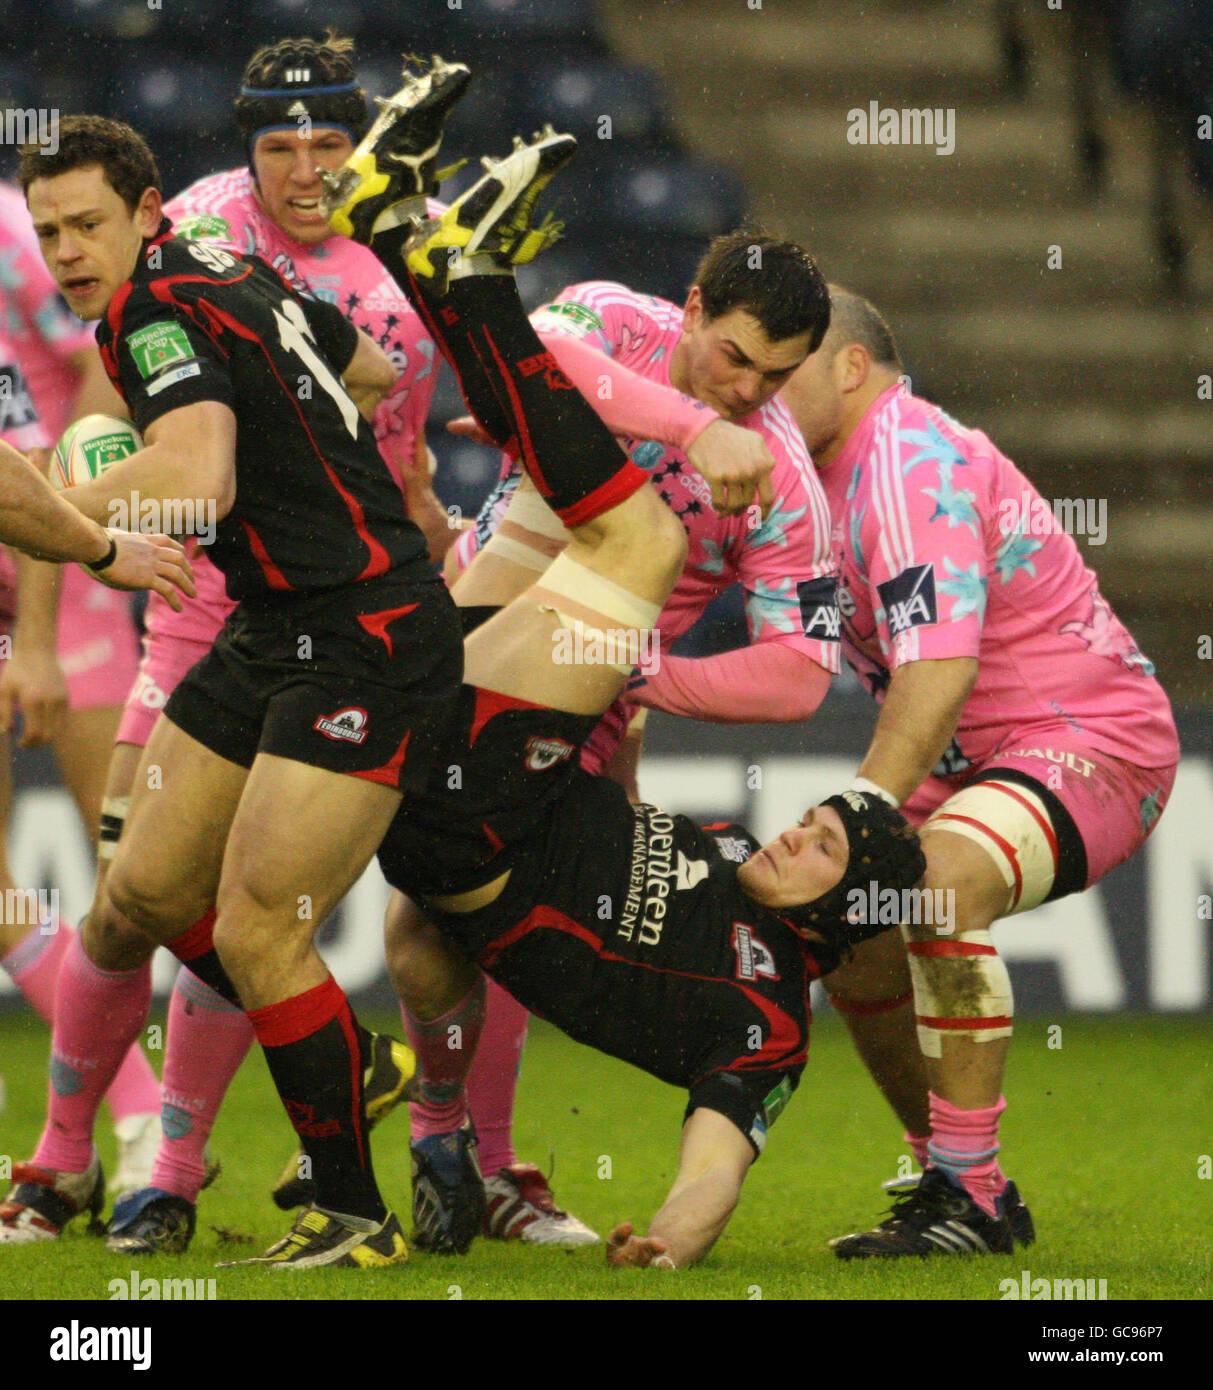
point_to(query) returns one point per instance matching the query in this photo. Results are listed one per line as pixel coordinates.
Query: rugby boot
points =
(319, 1238)
(151, 1222)
(521, 1206)
(448, 1191)
(397, 159)
(43, 1201)
(937, 1217)
(491, 222)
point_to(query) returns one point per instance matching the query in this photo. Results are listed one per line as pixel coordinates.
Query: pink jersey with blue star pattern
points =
(783, 562)
(947, 550)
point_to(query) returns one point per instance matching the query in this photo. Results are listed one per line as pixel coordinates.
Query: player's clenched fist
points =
(148, 562)
(626, 1250)
(736, 464)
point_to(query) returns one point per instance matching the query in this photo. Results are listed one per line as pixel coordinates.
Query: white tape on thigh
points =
(962, 989)
(608, 620)
(1011, 823)
(530, 533)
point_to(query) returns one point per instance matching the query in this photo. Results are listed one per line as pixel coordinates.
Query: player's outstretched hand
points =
(32, 681)
(149, 562)
(736, 464)
(468, 428)
(626, 1250)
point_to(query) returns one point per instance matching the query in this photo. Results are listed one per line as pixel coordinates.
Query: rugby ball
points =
(89, 446)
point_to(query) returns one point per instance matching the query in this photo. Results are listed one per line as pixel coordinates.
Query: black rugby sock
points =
(317, 1053)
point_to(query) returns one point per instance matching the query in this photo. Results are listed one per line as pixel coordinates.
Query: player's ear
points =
(148, 211)
(692, 312)
(852, 364)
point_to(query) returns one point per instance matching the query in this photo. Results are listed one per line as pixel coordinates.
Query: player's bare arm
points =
(916, 721)
(190, 452)
(714, 1161)
(369, 376)
(32, 678)
(33, 518)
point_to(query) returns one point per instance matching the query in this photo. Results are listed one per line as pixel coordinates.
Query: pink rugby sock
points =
(918, 1146)
(207, 1040)
(964, 1143)
(493, 1079)
(33, 965)
(98, 1015)
(443, 1059)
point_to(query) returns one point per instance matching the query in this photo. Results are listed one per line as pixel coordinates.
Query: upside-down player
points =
(699, 968)
(1019, 725)
(665, 380)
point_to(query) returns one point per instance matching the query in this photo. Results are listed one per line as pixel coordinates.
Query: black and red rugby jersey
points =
(316, 505)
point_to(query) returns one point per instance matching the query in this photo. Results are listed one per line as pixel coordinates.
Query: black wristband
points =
(106, 560)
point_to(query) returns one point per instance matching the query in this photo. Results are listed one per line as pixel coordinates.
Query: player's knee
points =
(111, 941)
(963, 884)
(146, 899)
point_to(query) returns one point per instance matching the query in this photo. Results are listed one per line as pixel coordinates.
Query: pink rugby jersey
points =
(40, 328)
(783, 562)
(947, 550)
(223, 208)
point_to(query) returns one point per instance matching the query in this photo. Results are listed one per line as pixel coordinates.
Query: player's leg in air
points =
(625, 555)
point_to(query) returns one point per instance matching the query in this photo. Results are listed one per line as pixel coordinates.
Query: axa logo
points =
(909, 599)
(542, 753)
(343, 726)
(819, 608)
(754, 957)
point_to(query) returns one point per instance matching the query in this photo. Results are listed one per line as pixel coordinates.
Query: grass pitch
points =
(1105, 1135)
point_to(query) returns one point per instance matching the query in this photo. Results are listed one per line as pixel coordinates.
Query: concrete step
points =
(919, 256)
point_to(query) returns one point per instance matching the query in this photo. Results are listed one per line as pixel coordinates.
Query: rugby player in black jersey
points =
(685, 950)
(283, 754)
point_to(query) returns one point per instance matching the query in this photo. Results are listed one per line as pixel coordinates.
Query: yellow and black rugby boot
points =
(319, 1239)
(397, 159)
(386, 1082)
(492, 220)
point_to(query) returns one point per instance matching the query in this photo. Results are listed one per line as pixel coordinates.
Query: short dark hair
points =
(776, 281)
(855, 319)
(128, 164)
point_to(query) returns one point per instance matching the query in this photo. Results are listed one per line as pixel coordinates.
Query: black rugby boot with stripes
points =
(1023, 1228)
(938, 1217)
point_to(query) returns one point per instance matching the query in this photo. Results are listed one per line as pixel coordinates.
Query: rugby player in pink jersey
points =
(300, 109)
(1020, 727)
(71, 663)
(658, 375)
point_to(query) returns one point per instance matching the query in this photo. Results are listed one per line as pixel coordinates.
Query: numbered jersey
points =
(316, 505)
